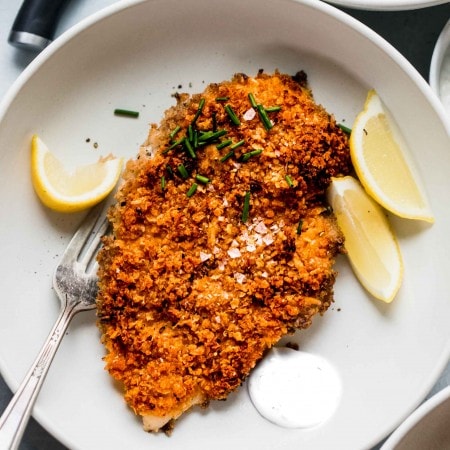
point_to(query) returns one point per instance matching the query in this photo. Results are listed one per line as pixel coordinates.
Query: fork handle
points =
(16, 415)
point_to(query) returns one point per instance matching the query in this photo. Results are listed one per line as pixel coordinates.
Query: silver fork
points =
(75, 283)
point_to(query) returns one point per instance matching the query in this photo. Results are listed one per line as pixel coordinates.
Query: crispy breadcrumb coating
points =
(191, 292)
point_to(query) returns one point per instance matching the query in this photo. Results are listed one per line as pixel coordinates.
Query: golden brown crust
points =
(190, 296)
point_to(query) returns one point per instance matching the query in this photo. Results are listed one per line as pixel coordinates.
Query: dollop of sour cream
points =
(295, 389)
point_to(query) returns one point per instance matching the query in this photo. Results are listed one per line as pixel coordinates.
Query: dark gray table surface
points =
(413, 33)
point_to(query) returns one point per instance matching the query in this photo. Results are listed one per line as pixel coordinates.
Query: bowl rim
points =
(415, 418)
(388, 5)
(442, 44)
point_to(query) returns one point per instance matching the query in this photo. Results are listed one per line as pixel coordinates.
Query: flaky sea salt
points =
(204, 256)
(239, 277)
(261, 228)
(249, 114)
(234, 252)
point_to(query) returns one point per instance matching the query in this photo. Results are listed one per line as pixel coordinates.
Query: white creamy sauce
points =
(294, 389)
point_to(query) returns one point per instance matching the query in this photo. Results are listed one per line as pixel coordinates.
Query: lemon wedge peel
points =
(382, 161)
(371, 245)
(71, 192)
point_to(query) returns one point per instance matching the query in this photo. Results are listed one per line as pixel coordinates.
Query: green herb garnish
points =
(227, 156)
(192, 190)
(252, 100)
(299, 226)
(126, 113)
(289, 181)
(224, 144)
(273, 109)
(174, 132)
(182, 171)
(344, 128)
(175, 144)
(209, 136)
(246, 156)
(264, 117)
(237, 144)
(189, 148)
(232, 115)
(199, 111)
(163, 183)
(246, 208)
(202, 179)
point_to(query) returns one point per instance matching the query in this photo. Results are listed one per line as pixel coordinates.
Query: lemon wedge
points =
(70, 192)
(383, 164)
(371, 245)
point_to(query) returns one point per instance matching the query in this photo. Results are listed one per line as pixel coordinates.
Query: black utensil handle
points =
(36, 22)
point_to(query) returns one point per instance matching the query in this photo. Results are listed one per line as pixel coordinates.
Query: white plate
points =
(440, 68)
(135, 55)
(426, 428)
(388, 5)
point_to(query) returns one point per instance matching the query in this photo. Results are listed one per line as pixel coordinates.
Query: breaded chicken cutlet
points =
(222, 241)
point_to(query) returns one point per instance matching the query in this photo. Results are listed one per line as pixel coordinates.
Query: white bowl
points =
(135, 55)
(440, 68)
(388, 5)
(426, 428)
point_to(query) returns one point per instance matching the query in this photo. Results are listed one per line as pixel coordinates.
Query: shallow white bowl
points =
(387, 5)
(440, 68)
(135, 55)
(426, 428)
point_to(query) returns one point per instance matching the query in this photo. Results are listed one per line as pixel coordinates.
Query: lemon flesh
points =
(371, 245)
(383, 163)
(70, 192)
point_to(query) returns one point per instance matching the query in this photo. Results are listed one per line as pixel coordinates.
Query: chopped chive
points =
(224, 144)
(190, 133)
(273, 109)
(189, 148)
(227, 156)
(175, 144)
(289, 181)
(183, 172)
(237, 144)
(205, 135)
(202, 179)
(126, 112)
(246, 208)
(264, 117)
(169, 170)
(174, 132)
(217, 134)
(163, 182)
(195, 139)
(211, 136)
(344, 128)
(299, 226)
(199, 111)
(232, 115)
(192, 190)
(222, 99)
(252, 100)
(248, 155)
